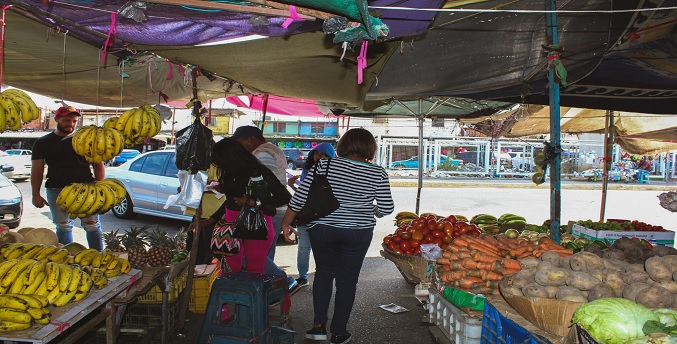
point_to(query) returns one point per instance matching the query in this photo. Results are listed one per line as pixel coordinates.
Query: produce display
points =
(97, 144)
(16, 106)
(86, 199)
(162, 249)
(633, 225)
(478, 264)
(136, 124)
(414, 231)
(631, 250)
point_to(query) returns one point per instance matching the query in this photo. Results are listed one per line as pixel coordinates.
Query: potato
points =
(529, 262)
(586, 261)
(521, 282)
(601, 291)
(634, 267)
(556, 276)
(551, 257)
(525, 274)
(542, 265)
(655, 297)
(552, 291)
(635, 276)
(633, 254)
(582, 280)
(510, 290)
(564, 262)
(613, 254)
(664, 251)
(565, 291)
(674, 276)
(535, 290)
(669, 285)
(626, 243)
(657, 269)
(671, 261)
(599, 274)
(615, 281)
(592, 248)
(614, 265)
(631, 290)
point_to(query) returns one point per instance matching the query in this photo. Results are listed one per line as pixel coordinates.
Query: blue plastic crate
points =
(498, 329)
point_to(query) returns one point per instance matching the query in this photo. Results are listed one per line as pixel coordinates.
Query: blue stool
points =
(643, 177)
(240, 311)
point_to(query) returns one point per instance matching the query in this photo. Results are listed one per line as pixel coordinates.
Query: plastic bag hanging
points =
(194, 147)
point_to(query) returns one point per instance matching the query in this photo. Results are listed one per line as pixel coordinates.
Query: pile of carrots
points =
(477, 264)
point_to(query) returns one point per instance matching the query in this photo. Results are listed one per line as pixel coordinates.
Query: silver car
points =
(150, 179)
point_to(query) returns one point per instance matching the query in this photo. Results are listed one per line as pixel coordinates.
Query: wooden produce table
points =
(160, 276)
(70, 315)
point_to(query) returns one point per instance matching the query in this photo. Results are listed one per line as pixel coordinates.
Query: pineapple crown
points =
(178, 241)
(112, 239)
(134, 238)
(157, 238)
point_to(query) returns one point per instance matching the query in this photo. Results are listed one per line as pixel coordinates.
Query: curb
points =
(546, 186)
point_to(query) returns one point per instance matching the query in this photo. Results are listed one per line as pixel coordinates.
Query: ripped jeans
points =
(64, 224)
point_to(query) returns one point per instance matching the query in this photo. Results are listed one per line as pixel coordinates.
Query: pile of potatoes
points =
(586, 277)
(631, 251)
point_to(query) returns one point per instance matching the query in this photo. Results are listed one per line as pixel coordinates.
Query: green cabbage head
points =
(613, 320)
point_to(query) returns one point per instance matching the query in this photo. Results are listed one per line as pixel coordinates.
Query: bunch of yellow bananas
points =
(97, 144)
(86, 199)
(41, 253)
(15, 107)
(109, 264)
(19, 312)
(137, 124)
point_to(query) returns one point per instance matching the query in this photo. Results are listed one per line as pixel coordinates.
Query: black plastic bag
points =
(250, 224)
(194, 147)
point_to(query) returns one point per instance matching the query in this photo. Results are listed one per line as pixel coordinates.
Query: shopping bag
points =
(194, 147)
(250, 224)
(223, 243)
(320, 201)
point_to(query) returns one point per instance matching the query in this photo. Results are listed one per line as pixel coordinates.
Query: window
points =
(280, 128)
(317, 128)
(171, 170)
(136, 165)
(438, 123)
(154, 164)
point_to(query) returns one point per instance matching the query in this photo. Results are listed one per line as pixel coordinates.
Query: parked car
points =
(413, 163)
(19, 152)
(11, 203)
(21, 166)
(168, 147)
(125, 155)
(522, 161)
(295, 157)
(149, 178)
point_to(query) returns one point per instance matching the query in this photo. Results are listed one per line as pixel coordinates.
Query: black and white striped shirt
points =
(362, 189)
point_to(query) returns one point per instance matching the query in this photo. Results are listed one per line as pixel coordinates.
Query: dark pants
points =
(204, 249)
(339, 254)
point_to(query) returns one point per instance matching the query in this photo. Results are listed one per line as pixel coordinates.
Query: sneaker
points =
(302, 281)
(294, 287)
(341, 338)
(317, 333)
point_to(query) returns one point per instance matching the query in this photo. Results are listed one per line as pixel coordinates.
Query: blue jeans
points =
(303, 256)
(339, 254)
(277, 225)
(64, 224)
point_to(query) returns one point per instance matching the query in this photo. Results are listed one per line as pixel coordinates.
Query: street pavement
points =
(380, 281)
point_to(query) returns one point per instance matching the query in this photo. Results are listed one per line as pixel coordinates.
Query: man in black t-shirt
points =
(64, 166)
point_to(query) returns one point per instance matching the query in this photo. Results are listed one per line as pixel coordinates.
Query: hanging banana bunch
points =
(86, 199)
(138, 124)
(97, 144)
(16, 106)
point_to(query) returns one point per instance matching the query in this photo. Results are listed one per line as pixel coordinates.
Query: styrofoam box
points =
(458, 326)
(666, 238)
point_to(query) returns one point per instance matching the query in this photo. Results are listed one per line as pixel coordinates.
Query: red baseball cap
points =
(66, 110)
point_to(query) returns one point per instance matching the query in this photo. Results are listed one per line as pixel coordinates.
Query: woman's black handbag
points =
(320, 201)
(250, 224)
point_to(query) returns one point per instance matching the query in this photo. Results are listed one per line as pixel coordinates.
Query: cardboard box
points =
(666, 238)
(551, 316)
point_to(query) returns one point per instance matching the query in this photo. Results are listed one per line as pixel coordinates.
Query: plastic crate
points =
(154, 295)
(202, 285)
(149, 315)
(458, 326)
(498, 329)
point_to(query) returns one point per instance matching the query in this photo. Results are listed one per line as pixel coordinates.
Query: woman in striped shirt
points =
(341, 239)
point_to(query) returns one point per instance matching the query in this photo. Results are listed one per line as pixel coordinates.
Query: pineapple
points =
(136, 246)
(160, 252)
(178, 241)
(112, 241)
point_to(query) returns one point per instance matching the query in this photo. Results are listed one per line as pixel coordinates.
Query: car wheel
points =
(18, 180)
(12, 225)
(291, 166)
(399, 167)
(124, 209)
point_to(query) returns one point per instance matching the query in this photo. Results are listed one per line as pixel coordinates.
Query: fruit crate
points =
(414, 269)
(458, 326)
(149, 315)
(666, 238)
(202, 285)
(154, 295)
(496, 327)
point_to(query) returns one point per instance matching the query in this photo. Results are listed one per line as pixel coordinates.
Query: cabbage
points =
(667, 317)
(613, 320)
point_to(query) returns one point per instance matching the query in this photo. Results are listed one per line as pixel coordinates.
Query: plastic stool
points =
(239, 310)
(643, 177)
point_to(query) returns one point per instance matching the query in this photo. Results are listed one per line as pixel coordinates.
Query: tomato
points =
(393, 246)
(396, 238)
(439, 242)
(425, 230)
(474, 232)
(432, 225)
(447, 239)
(460, 223)
(429, 238)
(414, 243)
(438, 234)
(451, 218)
(388, 238)
(420, 224)
(399, 232)
(418, 236)
(406, 235)
(405, 245)
(440, 226)
(431, 217)
(417, 250)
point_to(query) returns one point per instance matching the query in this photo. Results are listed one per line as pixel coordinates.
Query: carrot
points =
(525, 254)
(475, 240)
(458, 241)
(485, 257)
(547, 242)
(511, 264)
(473, 273)
(516, 252)
(487, 275)
(444, 261)
(484, 290)
(506, 241)
(484, 249)
(562, 252)
(450, 276)
(538, 253)
(460, 255)
(456, 266)
(467, 282)
(446, 254)
(444, 268)
(487, 284)
(490, 239)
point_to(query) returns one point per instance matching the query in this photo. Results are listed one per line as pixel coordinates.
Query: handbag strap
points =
(327, 170)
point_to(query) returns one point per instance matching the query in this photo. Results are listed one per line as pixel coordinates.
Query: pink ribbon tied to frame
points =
(362, 61)
(292, 17)
(111, 32)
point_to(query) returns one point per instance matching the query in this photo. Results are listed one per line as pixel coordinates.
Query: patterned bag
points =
(223, 243)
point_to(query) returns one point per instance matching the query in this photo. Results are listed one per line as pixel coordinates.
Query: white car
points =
(19, 152)
(21, 163)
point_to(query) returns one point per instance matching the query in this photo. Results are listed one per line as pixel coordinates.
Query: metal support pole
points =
(421, 152)
(555, 166)
(608, 152)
